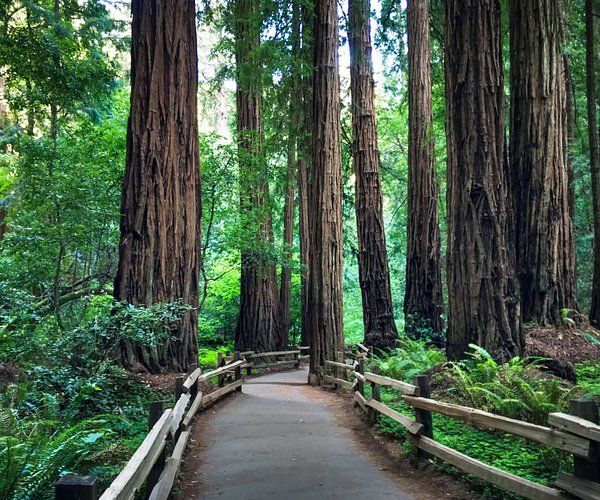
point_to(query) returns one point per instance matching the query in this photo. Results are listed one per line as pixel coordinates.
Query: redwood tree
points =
(295, 116)
(374, 275)
(483, 300)
(305, 158)
(590, 65)
(257, 327)
(325, 260)
(160, 207)
(545, 242)
(423, 305)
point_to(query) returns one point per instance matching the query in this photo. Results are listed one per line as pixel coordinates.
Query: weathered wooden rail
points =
(149, 465)
(577, 433)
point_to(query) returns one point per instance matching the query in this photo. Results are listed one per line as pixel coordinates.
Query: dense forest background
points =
(64, 106)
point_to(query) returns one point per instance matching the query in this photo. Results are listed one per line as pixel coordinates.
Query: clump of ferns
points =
(518, 388)
(31, 460)
(410, 358)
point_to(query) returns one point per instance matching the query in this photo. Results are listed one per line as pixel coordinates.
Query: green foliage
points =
(529, 460)
(516, 389)
(410, 358)
(588, 378)
(208, 358)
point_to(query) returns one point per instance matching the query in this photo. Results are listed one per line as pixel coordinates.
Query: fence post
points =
(360, 368)
(424, 416)
(297, 360)
(238, 370)
(220, 363)
(228, 377)
(375, 394)
(587, 469)
(154, 413)
(194, 388)
(178, 387)
(248, 360)
(76, 488)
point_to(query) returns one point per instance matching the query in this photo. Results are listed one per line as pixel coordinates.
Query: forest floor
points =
(282, 439)
(563, 347)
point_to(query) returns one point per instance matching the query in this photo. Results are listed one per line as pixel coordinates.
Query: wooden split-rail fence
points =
(577, 433)
(149, 466)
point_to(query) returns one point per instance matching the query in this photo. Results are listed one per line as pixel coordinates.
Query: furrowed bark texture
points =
(374, 274)
(295, 116)
(305, 161)
(160, 206)
(538, 158)
(483, 301)
(590, 65)
(325, 262)
(257, 327)
(423, 305)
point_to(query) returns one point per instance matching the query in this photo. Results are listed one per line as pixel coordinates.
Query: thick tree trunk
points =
(325, 263)
(423, 304)
(305, 161)
(483, 300)
(160, 207)
(538, 159)
(374, 275)
(594, 154)
(257, 327)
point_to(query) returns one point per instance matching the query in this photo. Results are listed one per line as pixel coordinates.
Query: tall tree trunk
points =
(423, 304)
(374, 275)
(538, 159)
(483, 300)
(325, 263)
(590, 65)
(305, 161)
(257, 327)
(160, 207)
(295, 117)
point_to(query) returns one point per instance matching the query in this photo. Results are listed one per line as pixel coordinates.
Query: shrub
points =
(410, 358)
(514, 389)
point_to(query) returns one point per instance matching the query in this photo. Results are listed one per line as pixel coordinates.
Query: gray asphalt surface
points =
(273, 441)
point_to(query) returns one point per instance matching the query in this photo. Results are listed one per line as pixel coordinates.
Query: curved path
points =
(274, 441)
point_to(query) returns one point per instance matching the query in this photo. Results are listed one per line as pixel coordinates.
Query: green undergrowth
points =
(208, 356)
(588, 379)
(518, 389)
(514, 455)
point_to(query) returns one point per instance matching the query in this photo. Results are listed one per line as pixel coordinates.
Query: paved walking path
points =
(274, 441)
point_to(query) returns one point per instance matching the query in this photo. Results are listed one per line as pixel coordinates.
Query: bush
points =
(514, 389)
(410, 358)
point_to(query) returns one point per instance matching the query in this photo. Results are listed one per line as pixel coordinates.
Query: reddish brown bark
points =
(374, 275)
(160, 207)
(423, 305)
(325, 262)
(305, 161)
(483, 300)
(538, 158)
(257, 327)
(590, 64)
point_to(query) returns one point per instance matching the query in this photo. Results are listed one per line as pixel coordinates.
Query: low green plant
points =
(410, 358)
(588, 378)
(208, 357)
(517, 388)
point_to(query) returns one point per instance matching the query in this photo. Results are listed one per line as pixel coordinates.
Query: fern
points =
(514, 389)
(30, 468)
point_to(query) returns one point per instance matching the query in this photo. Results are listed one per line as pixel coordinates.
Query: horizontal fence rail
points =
(577, 433)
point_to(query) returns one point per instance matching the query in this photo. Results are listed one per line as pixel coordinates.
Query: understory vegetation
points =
(519, 388)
